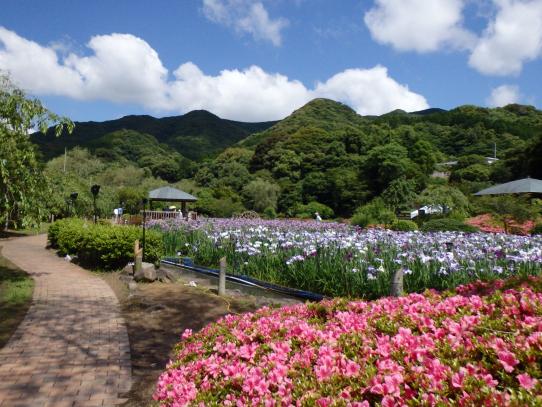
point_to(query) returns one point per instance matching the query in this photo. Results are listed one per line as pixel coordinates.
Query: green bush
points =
(66, 235)
(269, 213)
(103, 246)
(374, 213)
(308, 210)
(447, 225)
(537, 230)
(404, 226)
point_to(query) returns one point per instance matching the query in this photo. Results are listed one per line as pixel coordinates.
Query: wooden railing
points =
(158, 215)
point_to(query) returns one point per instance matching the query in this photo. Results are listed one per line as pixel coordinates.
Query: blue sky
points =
(258, 60)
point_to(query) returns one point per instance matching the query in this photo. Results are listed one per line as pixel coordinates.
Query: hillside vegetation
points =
(195, 135)
(323, 157)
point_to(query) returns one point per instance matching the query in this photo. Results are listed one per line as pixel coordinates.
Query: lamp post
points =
(95, 189)
(73, 197)
(144, 201)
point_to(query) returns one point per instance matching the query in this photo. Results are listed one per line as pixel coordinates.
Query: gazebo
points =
(169, 194)
(521, 186)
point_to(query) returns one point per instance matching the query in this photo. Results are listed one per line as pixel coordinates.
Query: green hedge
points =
(404, 226)
(102, 246)
(537, 230)
(447, 225)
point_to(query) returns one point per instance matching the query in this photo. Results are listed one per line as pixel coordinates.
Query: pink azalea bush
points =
(481, 345)
(486, 223)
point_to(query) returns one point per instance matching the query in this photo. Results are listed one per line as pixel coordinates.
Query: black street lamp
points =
(73, 197)
(95, 189)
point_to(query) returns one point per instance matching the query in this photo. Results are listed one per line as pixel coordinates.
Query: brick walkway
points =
(72, 348)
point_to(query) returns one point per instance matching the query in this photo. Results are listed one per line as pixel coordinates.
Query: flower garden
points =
(481, 345)
(475, 341)
(338, 260)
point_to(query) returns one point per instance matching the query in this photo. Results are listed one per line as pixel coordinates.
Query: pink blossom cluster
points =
(422, 349)
(486, 223)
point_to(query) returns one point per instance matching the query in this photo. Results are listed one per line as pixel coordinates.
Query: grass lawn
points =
(15, 296)
(43, 228)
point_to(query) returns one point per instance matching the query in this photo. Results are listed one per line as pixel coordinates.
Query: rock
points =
(126, 279)
(132, 285)
(128, 269)
(168, 275)
(146, 274)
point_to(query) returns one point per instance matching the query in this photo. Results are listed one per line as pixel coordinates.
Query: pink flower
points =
(351, 369)
(508, 360)
(457, 378)
(186, 334)
(324, 402)
(526, 381)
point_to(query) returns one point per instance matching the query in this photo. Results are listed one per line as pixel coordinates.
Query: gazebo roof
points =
(170, 195)
(520, 186)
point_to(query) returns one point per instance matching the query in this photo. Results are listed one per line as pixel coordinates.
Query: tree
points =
(447, 197)
(400, 194)
(261, 195)
(22, 184)
(508, 209)
(386, 163)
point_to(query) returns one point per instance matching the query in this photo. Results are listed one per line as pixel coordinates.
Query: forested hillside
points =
(323, 157)
(195, 135)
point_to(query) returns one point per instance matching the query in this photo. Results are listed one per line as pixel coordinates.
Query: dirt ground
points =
(156, 315)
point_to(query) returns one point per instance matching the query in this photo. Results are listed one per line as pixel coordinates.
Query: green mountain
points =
(323, 114)
(326, 152)
(323, 157)
(195, 135)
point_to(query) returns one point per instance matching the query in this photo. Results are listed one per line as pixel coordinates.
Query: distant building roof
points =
(170, 194)
(520, 186)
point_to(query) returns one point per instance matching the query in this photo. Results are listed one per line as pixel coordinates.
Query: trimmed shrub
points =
(269, 213)
(537, 230)
(447, 225)
(404, 226)
(307, 211)
(374, 213)
(102, 246)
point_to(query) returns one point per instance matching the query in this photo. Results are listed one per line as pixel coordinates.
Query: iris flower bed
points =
(481, 345)
(338, 260)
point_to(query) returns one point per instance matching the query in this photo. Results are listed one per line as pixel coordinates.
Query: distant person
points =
(318, 217)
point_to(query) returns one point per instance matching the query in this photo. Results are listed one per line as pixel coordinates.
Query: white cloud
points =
(36, 67)
(418, 25)
(503, 95)
(125, 69)
(251, 94)
(370, 91)
(122, 68)
(512, 38)
(246, 16)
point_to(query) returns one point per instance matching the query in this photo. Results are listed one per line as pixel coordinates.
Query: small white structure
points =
(426, 210)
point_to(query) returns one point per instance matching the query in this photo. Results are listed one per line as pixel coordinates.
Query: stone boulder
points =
(168, 275)
(146, 274)
(128, 269)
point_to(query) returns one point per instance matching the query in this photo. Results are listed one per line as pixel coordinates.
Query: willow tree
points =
(23, 188)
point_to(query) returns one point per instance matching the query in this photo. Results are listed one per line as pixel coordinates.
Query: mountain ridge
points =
(195, 135)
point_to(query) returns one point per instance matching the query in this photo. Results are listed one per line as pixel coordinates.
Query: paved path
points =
(72, 348)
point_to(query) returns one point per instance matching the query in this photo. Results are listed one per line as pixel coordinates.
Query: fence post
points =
(138, 257)
(397, 283)
(222, 277)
